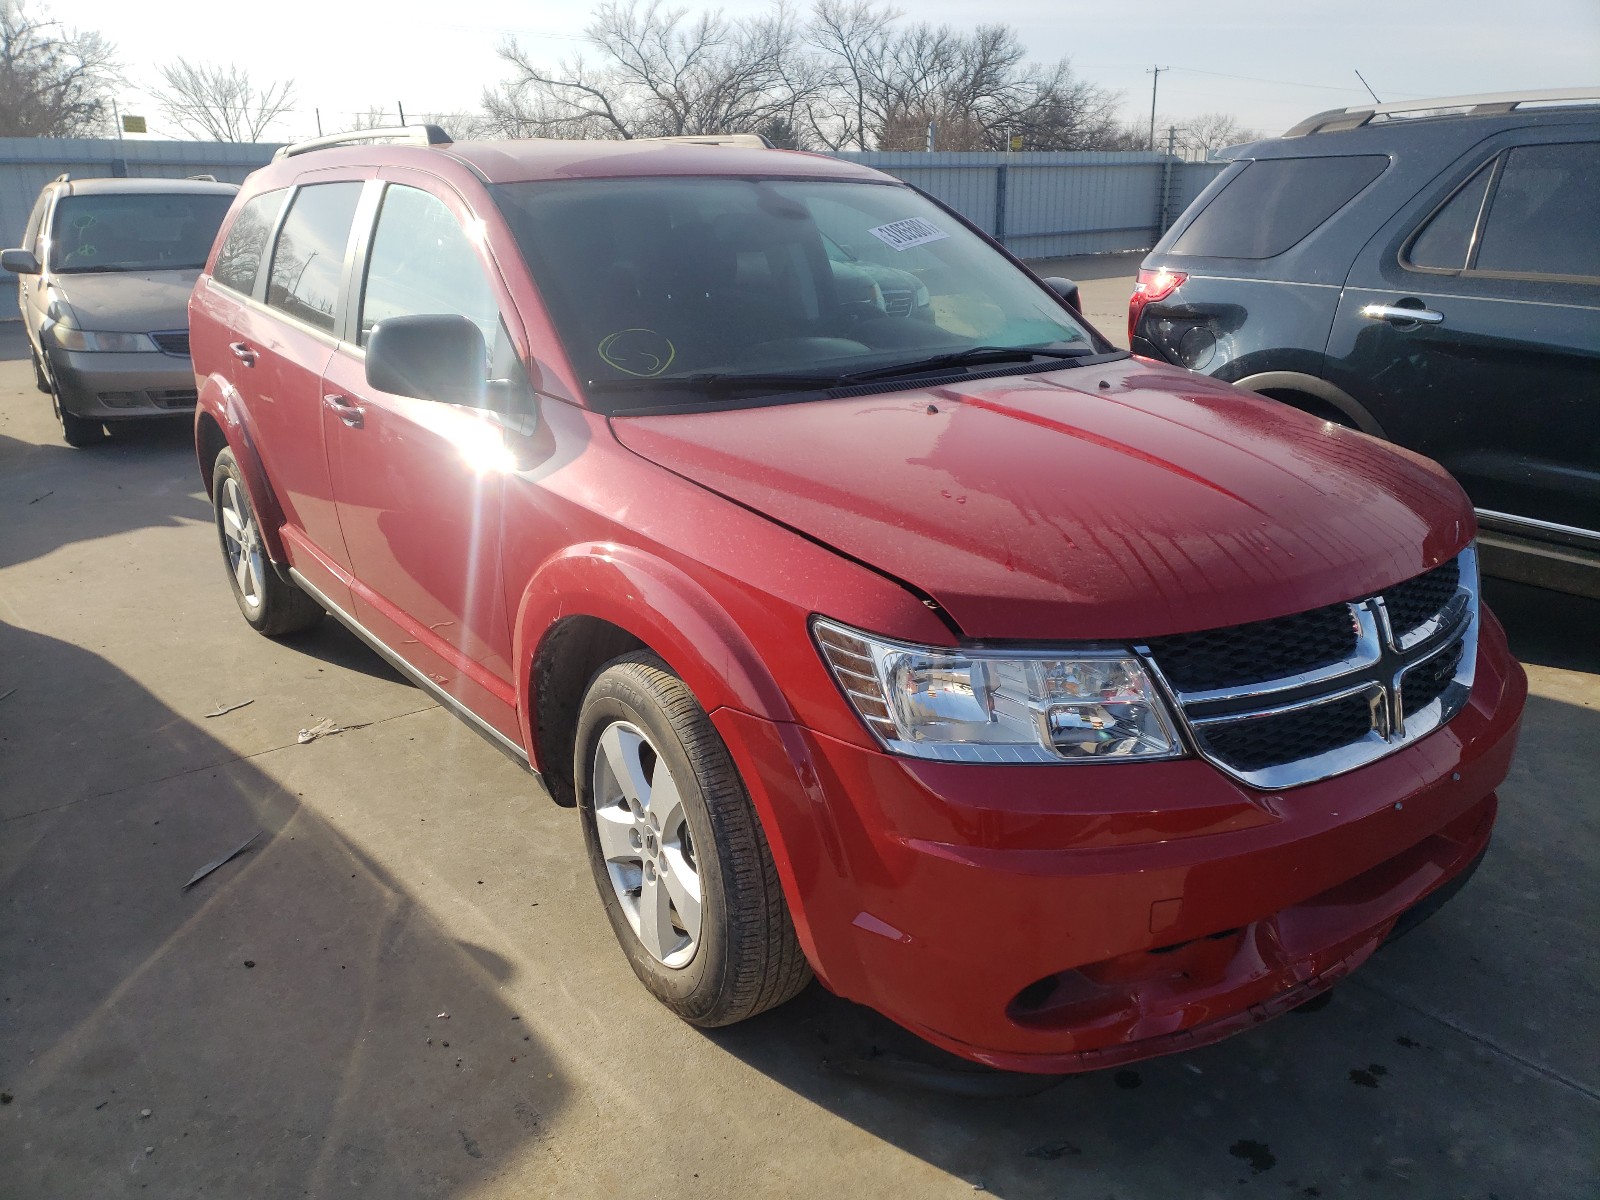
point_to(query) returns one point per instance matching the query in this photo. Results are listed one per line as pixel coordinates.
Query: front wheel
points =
(678, 854)
(272, 605)
(77, 432)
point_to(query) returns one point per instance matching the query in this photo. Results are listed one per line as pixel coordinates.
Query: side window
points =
(1275, 202)
(1542, 215)
(309, 258)
(422, 264)
(1445, 243)
(239, 260)
(30, 237)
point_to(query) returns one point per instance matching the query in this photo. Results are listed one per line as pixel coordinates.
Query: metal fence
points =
(1049, 204)
(1038, 204)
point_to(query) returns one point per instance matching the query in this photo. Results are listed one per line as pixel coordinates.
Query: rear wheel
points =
(680, 859)
(272, 605)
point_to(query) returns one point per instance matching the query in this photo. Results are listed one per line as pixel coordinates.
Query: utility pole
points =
(932, 133)
(1155, 82)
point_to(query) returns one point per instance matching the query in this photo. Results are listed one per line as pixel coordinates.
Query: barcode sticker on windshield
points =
(913, 231)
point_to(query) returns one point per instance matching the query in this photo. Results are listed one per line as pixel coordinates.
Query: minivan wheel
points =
(77, 432)
(271, 605)
(678, 855)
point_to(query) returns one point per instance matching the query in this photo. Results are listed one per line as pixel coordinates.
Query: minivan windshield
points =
(135, 231)
(683, 291)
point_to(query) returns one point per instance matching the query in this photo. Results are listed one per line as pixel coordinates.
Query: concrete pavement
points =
(280, 1028)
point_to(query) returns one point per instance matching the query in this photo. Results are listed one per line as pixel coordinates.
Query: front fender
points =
(221, 404)
(660, 605)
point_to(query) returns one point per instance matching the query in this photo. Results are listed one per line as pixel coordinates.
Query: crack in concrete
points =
(1488, 1043)
(226, 762)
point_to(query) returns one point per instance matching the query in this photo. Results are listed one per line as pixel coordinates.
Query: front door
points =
(420, 483)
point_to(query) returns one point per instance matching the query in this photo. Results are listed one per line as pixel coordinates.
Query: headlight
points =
(69, 338)
(920, 297)
(1089, 705)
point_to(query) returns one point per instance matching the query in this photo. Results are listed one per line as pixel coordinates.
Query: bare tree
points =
(54, 81)
(1199, 136)
(656, 71)
(220, 103)
(459, 125)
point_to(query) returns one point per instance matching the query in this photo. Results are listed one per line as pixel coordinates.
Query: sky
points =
(1267, 63)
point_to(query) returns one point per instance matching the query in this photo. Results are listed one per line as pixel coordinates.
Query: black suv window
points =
(1446, 241)
(422, 263)
(1274, 202)
(239, 260)
(309, 258)
(1542, 217)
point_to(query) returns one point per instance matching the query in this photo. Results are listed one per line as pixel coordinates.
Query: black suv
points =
(1428, 273)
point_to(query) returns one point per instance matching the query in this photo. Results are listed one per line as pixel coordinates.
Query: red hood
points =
(1120, 501)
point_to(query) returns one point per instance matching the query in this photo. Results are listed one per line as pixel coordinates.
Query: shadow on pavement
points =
(266, 1032)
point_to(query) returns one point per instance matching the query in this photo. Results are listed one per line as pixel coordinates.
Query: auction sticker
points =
(913, 231)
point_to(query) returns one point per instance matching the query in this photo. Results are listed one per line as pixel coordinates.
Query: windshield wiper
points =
(964, 358)
(717, 383)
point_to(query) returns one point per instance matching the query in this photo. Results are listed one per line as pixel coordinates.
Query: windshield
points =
(141, 231)
(658, 286)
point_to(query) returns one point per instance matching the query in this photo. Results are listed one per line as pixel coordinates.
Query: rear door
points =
(280, 353)
(1497, 376)
(420, 483)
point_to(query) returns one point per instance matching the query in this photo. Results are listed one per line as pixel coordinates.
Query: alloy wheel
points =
(644, 837)
(242, 541)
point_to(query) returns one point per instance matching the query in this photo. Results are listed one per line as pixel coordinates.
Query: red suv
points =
(1063, 706)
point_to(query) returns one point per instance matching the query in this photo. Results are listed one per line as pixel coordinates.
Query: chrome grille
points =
(897, 304)
(172, 341)
(1290, 700)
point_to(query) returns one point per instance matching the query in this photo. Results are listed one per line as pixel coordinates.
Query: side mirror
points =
(434, 357)
(1067, 290)
(19, 262)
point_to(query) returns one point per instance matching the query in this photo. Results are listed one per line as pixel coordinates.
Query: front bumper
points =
(1065, 918)
(110, 387)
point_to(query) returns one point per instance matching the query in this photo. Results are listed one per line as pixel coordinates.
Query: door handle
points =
(1399, 314)
(350, 413)
(243, 352)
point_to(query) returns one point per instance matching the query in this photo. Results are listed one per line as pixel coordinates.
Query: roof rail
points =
(413, 135)
(64, 177)
(753, 140)
(1482, 105)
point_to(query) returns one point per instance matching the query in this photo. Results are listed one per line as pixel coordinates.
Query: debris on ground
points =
(326, 727)
(228, 857)
(224, 709)
(144, 1112)
(36, 499)
(9, 694)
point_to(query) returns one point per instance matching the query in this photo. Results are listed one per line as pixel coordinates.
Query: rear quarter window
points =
(1273, 203)
(239, 259)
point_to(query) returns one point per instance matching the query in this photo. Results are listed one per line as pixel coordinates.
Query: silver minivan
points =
(105, 271)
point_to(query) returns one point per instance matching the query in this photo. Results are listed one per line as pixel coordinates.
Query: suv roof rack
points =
(753, 140)
(413, 135)
(1482, 105)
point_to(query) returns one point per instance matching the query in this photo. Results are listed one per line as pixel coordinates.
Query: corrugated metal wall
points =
(1040, 205)
(1048, 204)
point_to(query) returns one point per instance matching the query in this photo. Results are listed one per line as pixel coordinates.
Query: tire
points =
(740, 956)
(77, 432)
(272, 605)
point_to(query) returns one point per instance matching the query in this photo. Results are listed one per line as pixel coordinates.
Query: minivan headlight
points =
(70, 338)
(1079, 705)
